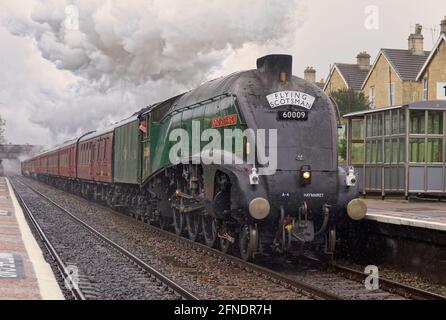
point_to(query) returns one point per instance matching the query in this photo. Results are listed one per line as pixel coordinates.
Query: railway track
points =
(327, 282)
(77, 291)
(276, 278)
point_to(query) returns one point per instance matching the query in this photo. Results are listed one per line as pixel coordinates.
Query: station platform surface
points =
(24, 273)
(428, 215)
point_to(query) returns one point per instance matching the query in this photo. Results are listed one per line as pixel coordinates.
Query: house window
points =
(372, 98)
(425, 90)
(391, 94)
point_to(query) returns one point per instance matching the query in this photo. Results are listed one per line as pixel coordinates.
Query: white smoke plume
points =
(127, 54)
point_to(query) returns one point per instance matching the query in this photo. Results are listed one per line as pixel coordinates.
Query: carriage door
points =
(145, 140)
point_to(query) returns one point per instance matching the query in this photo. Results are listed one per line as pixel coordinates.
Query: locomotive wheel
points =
(248, 242)
(193, 226)
(209, 225)
(178, 221)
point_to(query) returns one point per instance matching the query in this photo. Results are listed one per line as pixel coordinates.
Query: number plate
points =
(293, 115)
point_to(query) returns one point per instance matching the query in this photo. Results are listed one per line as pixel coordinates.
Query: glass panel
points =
(402, 150)
(369, 126)
(417, 150)
(369, 152)
(380, 124)
(373, 155)
(395, 151)
(375, 126)
(357, 129)
(387, 124)
(402, 121)
(395, 129)
(357, 153)
(387, 151)
(379, 151)
(417, 121)
(434, 150)
(435, 122)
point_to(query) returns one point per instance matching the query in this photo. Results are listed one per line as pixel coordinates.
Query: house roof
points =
(352, 75)
(406, 64)
(431, 56)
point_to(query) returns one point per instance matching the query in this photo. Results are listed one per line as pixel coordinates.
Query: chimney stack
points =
(443, 25)
(363, 60)
(310, 75)
(416, 41)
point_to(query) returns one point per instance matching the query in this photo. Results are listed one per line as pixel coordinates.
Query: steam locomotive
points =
(234, 198)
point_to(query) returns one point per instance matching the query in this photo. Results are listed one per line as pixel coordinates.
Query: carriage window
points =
(435, 122)
(417, 150)
(417, 121)
(434, 150)
(105, 148)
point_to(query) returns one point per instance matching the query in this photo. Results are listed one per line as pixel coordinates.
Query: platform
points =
(24, 273)
(428, 215)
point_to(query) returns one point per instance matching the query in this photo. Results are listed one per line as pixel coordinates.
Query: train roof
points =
(242, 83)
(206, 91)
(109, 128)
(89, 135)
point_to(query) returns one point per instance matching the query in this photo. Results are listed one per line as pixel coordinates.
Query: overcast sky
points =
(61, 77)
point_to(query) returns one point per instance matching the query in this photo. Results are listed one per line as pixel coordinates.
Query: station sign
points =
(441, 90)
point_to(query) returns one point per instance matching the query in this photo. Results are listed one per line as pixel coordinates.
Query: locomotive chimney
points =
(276, 66)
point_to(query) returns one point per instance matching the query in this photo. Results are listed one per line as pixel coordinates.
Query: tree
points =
(2, 130)
(349, 100)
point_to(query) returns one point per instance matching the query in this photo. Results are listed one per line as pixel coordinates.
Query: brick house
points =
(392, 79)
(432, 75)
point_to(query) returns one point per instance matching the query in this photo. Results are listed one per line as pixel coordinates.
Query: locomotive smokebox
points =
(276, 66)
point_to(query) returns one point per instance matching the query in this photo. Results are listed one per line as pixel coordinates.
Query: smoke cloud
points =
(118, 56)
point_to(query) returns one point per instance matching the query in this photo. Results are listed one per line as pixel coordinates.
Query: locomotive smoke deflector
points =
(276, 66)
